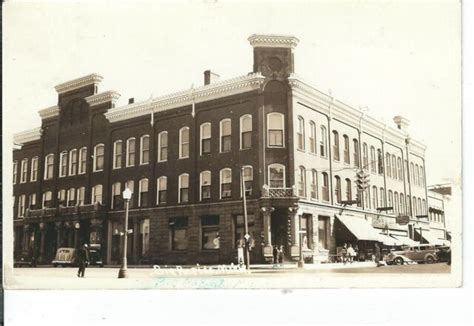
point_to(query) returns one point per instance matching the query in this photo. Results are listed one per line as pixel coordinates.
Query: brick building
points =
(182, 155)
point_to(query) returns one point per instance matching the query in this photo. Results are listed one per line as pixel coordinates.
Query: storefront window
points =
(178, 226)
(323, 226)
(210, 232)
(239, 227)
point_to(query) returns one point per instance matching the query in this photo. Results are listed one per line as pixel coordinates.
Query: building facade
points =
(186, 155)
(438, 196)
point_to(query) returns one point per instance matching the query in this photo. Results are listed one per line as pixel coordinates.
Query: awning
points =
(388, 240)
(360, 228)
(401, 240)
(431, 239)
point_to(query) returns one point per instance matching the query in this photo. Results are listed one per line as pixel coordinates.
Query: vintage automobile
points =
(443, 254)
(24, 260)
(65, 257)
(95, 256)
(423, 253)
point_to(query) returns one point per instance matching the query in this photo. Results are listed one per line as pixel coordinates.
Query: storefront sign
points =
(402, 219)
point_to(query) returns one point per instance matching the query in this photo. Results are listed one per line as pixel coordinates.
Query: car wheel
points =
(398, 261)
(429, 259)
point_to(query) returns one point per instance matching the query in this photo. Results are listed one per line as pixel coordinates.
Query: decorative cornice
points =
(196, 95)
(104, 97)
(273, 41)
(49, 112)
(78, 83)
(27, 136)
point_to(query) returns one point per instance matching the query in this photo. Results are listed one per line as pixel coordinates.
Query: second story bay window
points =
(184, 142)
(205, 184)
(117, 163)
(63, 164)
(300, 134)
(312, 137)
(82, 160)
(276, 128)
(144, 149)
(247, 174)
(163, 146)
(96, 194)
(225, 135)
(130, 158)
(246, 131)
(335, 146)
(99, 154)
(347, 156)
(143, 193)
(183, 188)
(276, 175)
(24, 170)
(48, 166)
(116, 202)
(205, 138)
(73, 162)
(226, 183)
(15, 171)
(162, 187)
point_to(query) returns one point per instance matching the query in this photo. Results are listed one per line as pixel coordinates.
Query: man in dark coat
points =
(82, 260)
(377, 254)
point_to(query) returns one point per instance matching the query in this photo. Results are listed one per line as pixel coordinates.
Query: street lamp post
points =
(300, 231)
(247, 236)
(123, 273)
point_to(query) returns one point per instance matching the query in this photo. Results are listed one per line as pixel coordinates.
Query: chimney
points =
(402, 123)
(210, 77)
(131, 100)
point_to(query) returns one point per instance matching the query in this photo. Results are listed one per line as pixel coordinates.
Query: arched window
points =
(382, 197)
(183, 186)
(325, 187)
(423, 206)
(117, 163)
(412, 173)
(301, 182)
(205, 132)
(71, 197)
(347, 156)
(276, 175)
(312, 137)
(389, 164)
(375, 203)
(34, 169)
(399, 168)
(420, 208)
(98, 158)
(402, 204)
(21, 205)
(335, 146)
(130, 159)
(82, 160)
(390, 199)
(348, 189)
(373, 161)
(314, 184)
(81, 195)
(47, 199)
(162, 185)
(48, 166)
(356, 152)
(163, 146)
(248, 179)
(226, 183)
(365, 156)
(184, 142)
(143, 192)
(15, 171)
(205, 181)
(246, 131)
(144, 149)
(276, 128)
(73, 162)
(417, 175)
(323, 142)
(395, 203)
(62, 197)
(409, 208)
(300, 134)
(63, 164)
(367, 198)
(24, 170)
(225, 129)
(96, 194)
(394, 167)
(380, 160)
(116, 196)
(422, 176)
(337, 189)
(414, 206)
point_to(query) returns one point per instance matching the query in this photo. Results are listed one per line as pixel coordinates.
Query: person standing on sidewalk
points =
(275, 255)
(377, 254)
(281, 253)
(344, 253)
(82, 260)
(351, 253)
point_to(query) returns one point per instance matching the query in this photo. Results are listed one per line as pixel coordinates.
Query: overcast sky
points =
(395, 58)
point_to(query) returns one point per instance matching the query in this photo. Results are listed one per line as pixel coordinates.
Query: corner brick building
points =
(182, 156)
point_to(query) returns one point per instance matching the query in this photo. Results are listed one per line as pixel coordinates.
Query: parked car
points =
(25, 260)
(443, 254)
(95, 256)
(421, 254)
(65, 257)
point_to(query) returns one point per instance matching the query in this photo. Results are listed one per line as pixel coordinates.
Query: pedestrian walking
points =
(344, 253)
(356, 249)
(82, 260)
(377, 254)
(275, 255)
(350, 253)
(281, 253)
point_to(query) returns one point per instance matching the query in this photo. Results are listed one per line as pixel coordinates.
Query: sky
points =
(396, 58)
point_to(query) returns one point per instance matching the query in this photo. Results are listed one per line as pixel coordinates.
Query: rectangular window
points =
(325, 187)
(21, 205)
(314, 185)
(117, 202)
(163, 146)
(226, 138)
(306, 232)
(323, 227)
(73, 162)
(275, 129)
(300, 134)
(47, 199)
(246, 132)
(96, 194)
(34, 169)
(205, 185)
(248, 180)
(32, 201)
(49, 166)
(81, 194)
(145, 149)
(117, 154)
(130, 159)
(82, 160)
(205, 138)
(239, 227)
(99, 158)
(24, 170)
(277, 176)
(226, 183)
(183, 188)
(62, 197)
(15, 171)
(178, 226)
(71, 197)
(210, 239)
(143, 193)
(184, 142)
(63, 164)
(162, 189)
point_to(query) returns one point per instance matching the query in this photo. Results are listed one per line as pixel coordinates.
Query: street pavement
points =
(260, 276)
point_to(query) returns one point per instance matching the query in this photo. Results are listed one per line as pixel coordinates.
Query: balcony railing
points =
(268, 192)
(31, 213)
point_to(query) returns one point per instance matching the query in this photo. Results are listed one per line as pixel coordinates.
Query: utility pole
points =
(246, 236)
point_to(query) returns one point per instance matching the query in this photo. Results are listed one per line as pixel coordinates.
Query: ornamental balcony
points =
(268, 192)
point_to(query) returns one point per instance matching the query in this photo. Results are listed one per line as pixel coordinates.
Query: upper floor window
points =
(356, 152)
(276, 175)
(300, 134)
(335, 146)
(163, 146)
(82, 160)
(96, 194)
(394, 167)
(71, 197)
(248, 179)
(323, 142)
(417, 175)
(225, 135)
(395, 203)
(205, 183)
(63, 164)
(48, 166)
(246, 131)
(98, 158)
(117, 164)
(301, 182)
(325, 186)
(62, 197)
(205, 138)
(314, 184)
(422, 177)
(145, 149)
(15, 171)
(276, 122)
(226, 183)
(365, 156)
(347, 156)
(348, 189)
(312, 137)
(402, 204)
(375, 203)
(143, 192)
(81, 195)
(423, 206)
(399, 168)
(382, 197)
(73, 162)
(34, 169)
(47, 199)
(184, 142)
(389, 165)
(32, 201)
(373, 161)
(116, 196)
(24, 170)
(337, 189)
(183, 186)
(130, 158)
(21, 205)
(162, 185)
(412, 173)
(390, 199)
(380, 161)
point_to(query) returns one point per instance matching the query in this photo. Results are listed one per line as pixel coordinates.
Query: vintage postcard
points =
(232, 145)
